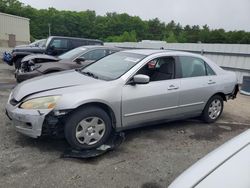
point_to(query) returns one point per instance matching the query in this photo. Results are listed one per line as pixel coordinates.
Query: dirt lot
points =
(149, 158)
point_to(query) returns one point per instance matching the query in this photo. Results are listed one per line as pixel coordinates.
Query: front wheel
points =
(87, 128)
(213, 109)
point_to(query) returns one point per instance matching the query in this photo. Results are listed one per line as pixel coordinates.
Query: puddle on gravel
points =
(213, 132)
(7, 85)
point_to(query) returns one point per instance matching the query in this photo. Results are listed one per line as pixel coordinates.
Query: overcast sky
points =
(227, 14)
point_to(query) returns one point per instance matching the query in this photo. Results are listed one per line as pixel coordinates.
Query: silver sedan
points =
(125, 90)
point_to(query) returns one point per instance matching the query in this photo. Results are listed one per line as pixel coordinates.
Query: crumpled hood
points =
(40, 56)
(50, 82)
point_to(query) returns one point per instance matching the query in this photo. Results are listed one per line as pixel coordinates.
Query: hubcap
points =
(214, 109)
(90, 130)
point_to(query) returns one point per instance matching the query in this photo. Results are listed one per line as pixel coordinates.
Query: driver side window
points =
(94, 55)
(59, 43)
(159, 69)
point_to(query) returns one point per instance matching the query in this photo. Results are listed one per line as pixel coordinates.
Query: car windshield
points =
(39, 43)
(72, 53)
(113, 66)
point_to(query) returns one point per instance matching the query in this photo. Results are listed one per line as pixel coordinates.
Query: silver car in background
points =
(124, 90)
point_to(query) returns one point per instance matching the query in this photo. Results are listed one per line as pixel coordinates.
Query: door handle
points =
(172, 87)
(211, 82)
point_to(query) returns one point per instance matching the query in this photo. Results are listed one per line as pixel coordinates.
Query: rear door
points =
(196, 86)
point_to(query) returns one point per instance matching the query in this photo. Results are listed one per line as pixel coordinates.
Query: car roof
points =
(145, 51)
(148, 52)
(75, 38)
(99, 46)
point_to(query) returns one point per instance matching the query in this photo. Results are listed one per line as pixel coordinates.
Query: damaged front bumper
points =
(35, 123)
(28, 122)
(22, 76)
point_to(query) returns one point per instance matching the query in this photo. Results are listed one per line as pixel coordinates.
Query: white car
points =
(226, 167)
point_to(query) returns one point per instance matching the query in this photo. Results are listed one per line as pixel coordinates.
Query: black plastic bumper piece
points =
(116, 139)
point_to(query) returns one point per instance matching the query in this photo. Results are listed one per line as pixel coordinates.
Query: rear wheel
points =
(213, 109)
(88, 128)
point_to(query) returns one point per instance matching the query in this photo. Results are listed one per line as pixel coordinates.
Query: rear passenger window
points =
(77, 43)
(60, 43)
(95, 54)
(94, 43)
(192, 67)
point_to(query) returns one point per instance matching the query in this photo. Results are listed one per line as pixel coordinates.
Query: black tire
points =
(81, 114)
(17, 63)
(206, 115)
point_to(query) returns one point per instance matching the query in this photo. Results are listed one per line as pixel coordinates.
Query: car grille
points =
(13, 102)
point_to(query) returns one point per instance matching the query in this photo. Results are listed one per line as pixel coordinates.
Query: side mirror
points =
(79, 60)
(141, 79)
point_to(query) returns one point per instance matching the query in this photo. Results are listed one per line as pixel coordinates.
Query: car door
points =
(196, 85)
(58, 46)
(156, 100)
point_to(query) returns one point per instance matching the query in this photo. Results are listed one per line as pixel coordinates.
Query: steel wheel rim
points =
(90, 130)
(214, 109)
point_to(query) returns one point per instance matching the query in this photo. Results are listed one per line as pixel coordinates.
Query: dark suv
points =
(54, 45)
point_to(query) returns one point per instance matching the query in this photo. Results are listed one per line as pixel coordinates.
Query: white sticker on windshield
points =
(131, 59)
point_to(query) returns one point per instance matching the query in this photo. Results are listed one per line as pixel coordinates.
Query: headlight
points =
(41, 103)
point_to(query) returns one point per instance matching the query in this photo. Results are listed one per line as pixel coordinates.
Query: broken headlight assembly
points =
(48, 102)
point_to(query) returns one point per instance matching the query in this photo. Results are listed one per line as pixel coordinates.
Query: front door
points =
(156, 100)
(58, 46)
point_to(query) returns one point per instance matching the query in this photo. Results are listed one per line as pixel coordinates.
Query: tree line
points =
(114, 27)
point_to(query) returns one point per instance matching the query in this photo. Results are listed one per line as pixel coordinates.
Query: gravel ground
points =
(150, 157)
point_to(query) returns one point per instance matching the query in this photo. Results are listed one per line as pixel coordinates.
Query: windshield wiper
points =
(89, 74)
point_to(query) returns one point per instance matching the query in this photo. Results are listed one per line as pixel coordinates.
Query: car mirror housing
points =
(52, 47)
(141, 79)
(79, 60)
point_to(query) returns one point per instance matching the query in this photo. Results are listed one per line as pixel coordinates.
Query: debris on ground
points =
(116, 139)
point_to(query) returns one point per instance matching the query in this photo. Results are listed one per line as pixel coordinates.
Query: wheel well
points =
(222, 95)
(103, 106)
